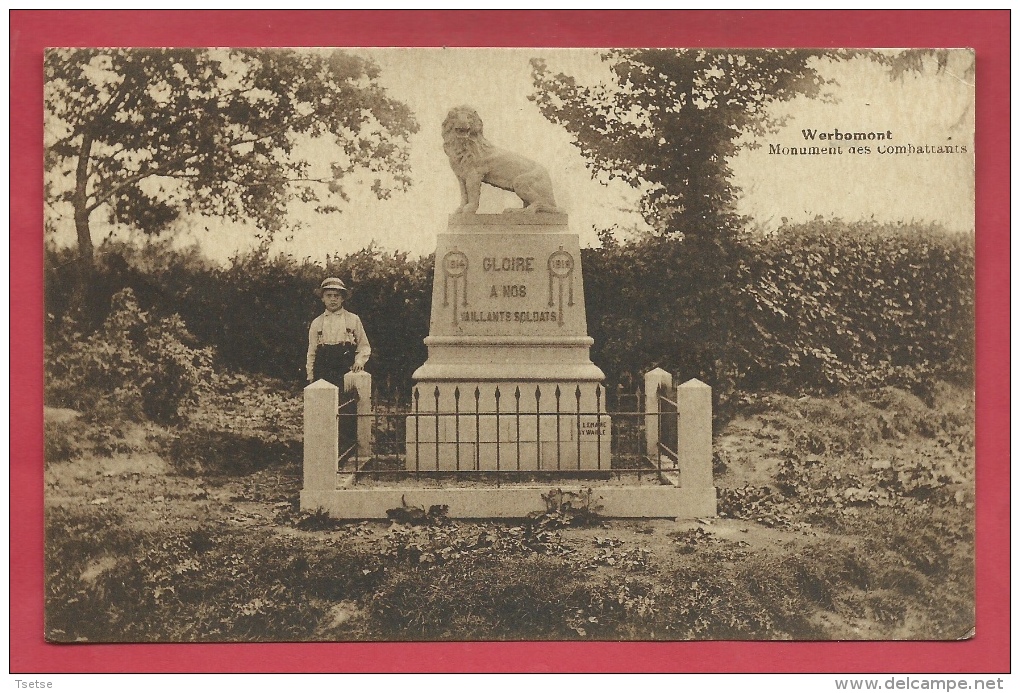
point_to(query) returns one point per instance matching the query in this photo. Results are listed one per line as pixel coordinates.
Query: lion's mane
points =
(464, 150)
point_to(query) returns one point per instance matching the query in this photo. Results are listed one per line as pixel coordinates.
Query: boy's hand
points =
(356, 368)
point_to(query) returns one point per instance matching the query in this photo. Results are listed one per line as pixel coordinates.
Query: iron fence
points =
(347, 425)
(667, 409)
(575, 445)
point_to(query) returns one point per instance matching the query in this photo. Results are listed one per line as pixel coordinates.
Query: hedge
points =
(826, 304)
(816, 306)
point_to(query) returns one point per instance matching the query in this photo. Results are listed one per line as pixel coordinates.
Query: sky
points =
(930, 108)
(919, 109)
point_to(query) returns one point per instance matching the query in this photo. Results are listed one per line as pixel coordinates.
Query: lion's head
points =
(462, 122)
(462, 136)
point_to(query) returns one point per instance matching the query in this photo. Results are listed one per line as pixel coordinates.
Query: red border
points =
(986, 31)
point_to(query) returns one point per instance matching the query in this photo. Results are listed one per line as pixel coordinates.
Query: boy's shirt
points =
(340, 327)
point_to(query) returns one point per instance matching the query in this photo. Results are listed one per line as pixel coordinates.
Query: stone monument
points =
(508, 383)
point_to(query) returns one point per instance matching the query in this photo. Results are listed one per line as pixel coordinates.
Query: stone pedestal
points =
(362, 383)
(655, 380)
(508, 331)
(321, 447)
(694, 434)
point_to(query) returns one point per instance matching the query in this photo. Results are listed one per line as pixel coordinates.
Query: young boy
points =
(337, 342)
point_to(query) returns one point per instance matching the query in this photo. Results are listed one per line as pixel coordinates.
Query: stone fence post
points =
(321, 443)
(362, 382)
(694, 430)
(654, 379)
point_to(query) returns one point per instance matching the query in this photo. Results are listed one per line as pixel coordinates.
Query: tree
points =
(670, 120)
(667, 125)
(145, 135)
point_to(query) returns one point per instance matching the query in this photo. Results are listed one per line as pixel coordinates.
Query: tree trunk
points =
(86, 251)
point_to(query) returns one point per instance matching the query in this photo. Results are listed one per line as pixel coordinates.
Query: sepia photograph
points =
(353, 344)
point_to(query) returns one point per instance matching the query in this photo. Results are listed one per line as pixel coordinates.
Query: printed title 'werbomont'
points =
(836, 134)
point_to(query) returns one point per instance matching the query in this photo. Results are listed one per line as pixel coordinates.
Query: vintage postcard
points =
(349, 344)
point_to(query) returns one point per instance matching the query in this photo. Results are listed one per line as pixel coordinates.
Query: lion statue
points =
(475, 161)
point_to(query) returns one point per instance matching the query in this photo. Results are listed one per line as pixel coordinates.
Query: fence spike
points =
(517, 394)
(577, 395)
(478, 431)
(538, 427)
(456, 426)
(559, 438)
(497, 435)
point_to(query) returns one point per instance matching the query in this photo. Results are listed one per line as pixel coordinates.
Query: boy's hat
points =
(331, 283)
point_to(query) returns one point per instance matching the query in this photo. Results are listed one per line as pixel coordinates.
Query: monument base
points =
(666, 500)
(508, 426)
(509, 383)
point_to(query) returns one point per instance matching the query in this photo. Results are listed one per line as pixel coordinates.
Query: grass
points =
(836, 526)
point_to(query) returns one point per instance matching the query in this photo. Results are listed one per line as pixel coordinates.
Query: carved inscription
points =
(508, 264)
(505, 293)
(455, 267)
(508, 316)
(509, 291)
(593, 428)
(561, 271)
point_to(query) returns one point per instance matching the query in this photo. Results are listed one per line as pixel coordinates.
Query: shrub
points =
(132, 366)
(59, 442)
(815, 306)
(255, 311)
(194, 450)
(659, 301)
(827, 304)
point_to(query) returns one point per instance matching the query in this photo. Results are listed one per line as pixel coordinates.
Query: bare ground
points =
(841, 518)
